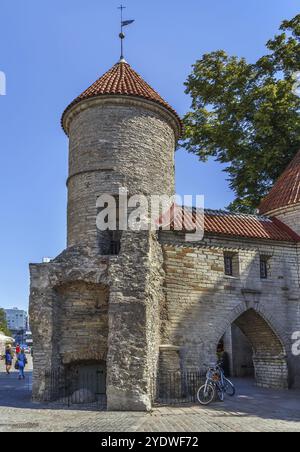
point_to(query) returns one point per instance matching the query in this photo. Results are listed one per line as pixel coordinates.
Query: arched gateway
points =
(251, 331)
(151, 302)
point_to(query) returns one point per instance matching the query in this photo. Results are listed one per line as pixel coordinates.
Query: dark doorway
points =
(79, 383)
(254, 350)
(242, 354)
(87, 381)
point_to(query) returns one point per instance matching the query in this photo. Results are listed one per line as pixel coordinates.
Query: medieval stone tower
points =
(98, 302)
(141, 307)
(122, 135)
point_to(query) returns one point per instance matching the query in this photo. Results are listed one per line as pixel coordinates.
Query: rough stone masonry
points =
(141, 305)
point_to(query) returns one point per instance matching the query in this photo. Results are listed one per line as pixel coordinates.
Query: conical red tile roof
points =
(121, 79)
(286, 191)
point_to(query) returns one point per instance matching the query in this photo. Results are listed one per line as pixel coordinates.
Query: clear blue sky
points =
(51, 50)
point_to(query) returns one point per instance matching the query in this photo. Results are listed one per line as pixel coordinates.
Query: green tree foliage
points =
(3, 324)
(247, 116)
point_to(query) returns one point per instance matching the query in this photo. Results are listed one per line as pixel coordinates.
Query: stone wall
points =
(269, 356)
(68, 313)
(82, 322)
(85, 307)
(155, 298)
(135, 294)
(202, 303)
(116, 142)
(159, 302)
(289, 215)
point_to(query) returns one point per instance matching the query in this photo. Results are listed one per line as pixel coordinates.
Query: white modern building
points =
(16, 319)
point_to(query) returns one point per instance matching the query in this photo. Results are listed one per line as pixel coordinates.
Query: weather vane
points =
(124, 23)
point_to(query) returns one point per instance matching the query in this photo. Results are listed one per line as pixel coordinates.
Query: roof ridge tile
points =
(229, 224)
(121, 79)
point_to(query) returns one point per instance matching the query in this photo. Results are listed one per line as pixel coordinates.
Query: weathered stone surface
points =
(200, 306)
(68, 312)
(135, 297)
(289, 215)
(161, 305)
(88, 307)
(117, 143)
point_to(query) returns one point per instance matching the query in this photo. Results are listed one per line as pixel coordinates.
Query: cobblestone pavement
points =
(252, 410)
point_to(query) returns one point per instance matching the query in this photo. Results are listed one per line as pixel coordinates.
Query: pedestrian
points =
(18, 349)
(22, 361)
(8, 359)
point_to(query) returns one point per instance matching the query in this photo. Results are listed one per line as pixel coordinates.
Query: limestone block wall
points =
(134, 328)
(269, 356)
(270, 372)
(169, 359)
(202, 303)
(82, 322)
(68, 313)
(170, 381)
(155, 297)
(290, 216)
(42, 311)
(116, 142)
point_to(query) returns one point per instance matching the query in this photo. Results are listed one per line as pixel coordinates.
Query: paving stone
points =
(252, 410)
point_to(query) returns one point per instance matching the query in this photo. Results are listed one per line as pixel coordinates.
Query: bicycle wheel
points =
(221, 392)
(229, 387)
(205, 397)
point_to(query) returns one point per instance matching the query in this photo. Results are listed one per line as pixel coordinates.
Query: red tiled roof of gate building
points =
(236, 225)
(286, 191)
(121, 79)
(248, 226)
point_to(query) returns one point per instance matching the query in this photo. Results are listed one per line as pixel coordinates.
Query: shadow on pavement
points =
(249, 401)
(17, 394)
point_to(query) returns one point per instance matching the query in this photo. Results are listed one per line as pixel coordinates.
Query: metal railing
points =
(87, 388)
(175, 388)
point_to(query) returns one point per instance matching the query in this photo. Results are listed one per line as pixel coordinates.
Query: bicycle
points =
(216, 384)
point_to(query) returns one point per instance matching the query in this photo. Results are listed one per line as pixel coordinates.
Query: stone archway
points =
(269, 354)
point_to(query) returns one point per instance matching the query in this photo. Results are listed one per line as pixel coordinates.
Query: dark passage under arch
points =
(258, 351)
